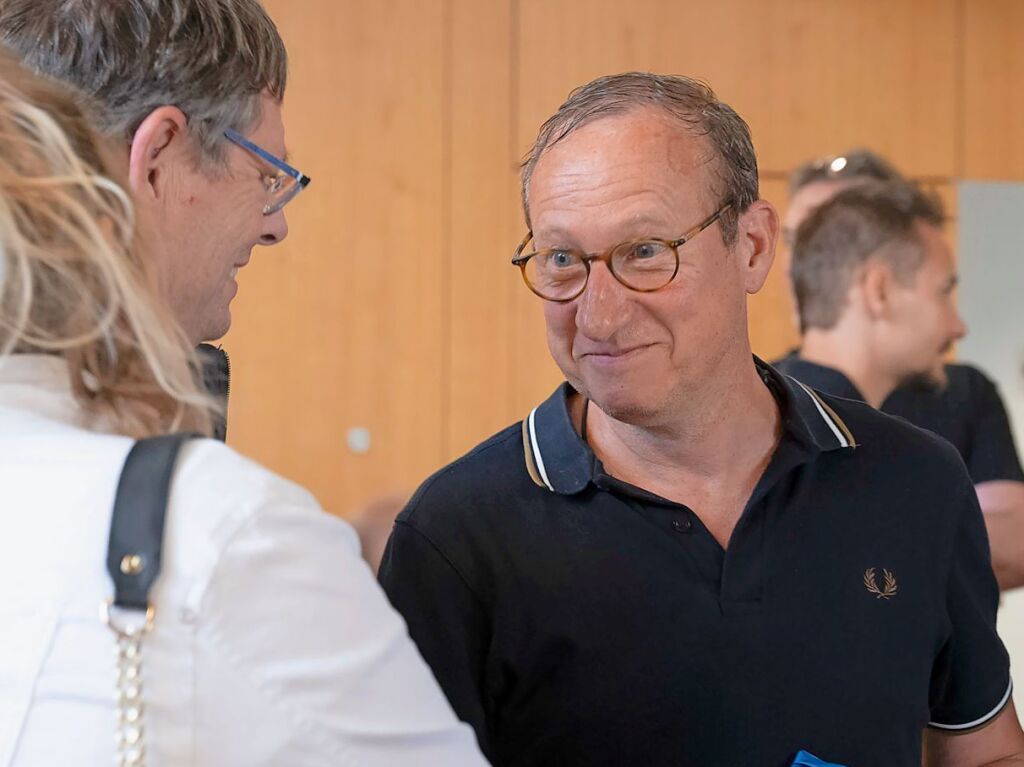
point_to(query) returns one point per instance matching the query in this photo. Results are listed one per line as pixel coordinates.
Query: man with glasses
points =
(194, 89)
(683, 557)
(196, 92)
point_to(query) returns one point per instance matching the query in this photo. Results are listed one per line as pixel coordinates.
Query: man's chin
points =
(927, 381)
(624, 404)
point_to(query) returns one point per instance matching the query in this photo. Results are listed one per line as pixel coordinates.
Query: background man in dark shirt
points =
(966, 410)
(874, 284)
(682, 557)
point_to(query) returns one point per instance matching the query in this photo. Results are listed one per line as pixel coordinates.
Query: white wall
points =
(991, 247)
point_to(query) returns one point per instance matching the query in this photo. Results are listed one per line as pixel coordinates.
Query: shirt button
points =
(682, 525)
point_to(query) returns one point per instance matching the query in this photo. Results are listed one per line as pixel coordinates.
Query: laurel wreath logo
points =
(889, 587)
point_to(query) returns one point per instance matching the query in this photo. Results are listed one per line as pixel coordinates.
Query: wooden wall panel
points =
(993, 113)
(393, 307)
(341, 326)
(483, 219)
(811, 77)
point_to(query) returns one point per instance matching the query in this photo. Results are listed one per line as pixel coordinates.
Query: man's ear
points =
(876, 287)
(160, 141)
(757, 232)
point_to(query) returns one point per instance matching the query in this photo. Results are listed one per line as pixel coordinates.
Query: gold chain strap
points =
(130, 732)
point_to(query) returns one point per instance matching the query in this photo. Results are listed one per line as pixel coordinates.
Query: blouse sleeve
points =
(302, 657)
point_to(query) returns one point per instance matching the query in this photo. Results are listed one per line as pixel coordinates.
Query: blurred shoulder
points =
(895, 441)
(210, 470)
(967, 382)
(219, 496)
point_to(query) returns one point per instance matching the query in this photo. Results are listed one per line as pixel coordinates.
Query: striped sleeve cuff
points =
(981, 721)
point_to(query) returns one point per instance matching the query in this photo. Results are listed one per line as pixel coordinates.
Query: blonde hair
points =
(73, 280)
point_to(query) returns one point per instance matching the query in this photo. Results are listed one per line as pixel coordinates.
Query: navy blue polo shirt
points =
(575, 619)
(968, 412)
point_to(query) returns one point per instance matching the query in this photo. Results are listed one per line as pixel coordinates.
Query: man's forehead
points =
(811, 196)
(640, 161)
(936, 244)
(639, 135)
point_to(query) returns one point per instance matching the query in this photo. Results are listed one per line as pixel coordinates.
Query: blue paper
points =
(803, 759)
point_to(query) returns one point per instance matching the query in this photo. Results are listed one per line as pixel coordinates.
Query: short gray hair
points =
(868, 219)
(210, 58)
(690, 102)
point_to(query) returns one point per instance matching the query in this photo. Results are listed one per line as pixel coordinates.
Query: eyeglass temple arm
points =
(517, 258)
(300, 177)
(701, 226)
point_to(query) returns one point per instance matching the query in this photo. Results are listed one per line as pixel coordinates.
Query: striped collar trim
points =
(531, 452)
(556, 456)
(841, 436)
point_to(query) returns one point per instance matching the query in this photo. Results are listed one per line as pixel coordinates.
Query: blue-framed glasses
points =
(282, 187)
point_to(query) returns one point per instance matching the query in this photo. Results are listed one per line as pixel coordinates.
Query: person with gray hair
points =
(265, 638)
(683, 557)
(193, 89)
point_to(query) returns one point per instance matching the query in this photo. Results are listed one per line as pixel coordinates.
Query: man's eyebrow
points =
(556, 235)
(649, 222)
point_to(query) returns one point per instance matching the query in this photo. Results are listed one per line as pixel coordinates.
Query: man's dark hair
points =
(689, 102)
(210, 58)
(854, 165)
(873, 219)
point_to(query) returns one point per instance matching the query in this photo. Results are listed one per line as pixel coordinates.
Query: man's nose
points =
(959, 326)
(604, 304)
(275, 228)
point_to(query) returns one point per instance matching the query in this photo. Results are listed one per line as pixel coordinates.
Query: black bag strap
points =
(137, 524)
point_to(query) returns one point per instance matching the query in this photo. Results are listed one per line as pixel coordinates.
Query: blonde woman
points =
(271, 644)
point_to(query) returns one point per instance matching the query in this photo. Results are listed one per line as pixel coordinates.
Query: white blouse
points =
(272, 643)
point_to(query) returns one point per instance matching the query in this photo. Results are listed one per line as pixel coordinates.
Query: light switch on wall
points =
(359, 440)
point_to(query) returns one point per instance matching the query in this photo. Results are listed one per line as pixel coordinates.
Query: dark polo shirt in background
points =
(574, 619)
(968, 413)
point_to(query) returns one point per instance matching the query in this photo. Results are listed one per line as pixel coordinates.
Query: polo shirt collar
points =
(559, 459)
(806, 416)
(556, 455)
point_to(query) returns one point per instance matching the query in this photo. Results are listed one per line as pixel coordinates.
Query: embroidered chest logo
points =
(889, 587)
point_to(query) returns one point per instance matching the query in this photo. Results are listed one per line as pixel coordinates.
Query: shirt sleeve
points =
(445, 618)
(971, 676)
(993, 454)
(296, 637)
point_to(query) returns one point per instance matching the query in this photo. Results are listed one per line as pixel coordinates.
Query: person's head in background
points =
(74, 284)
(819, 180)
(179, 83)
(874, 282)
